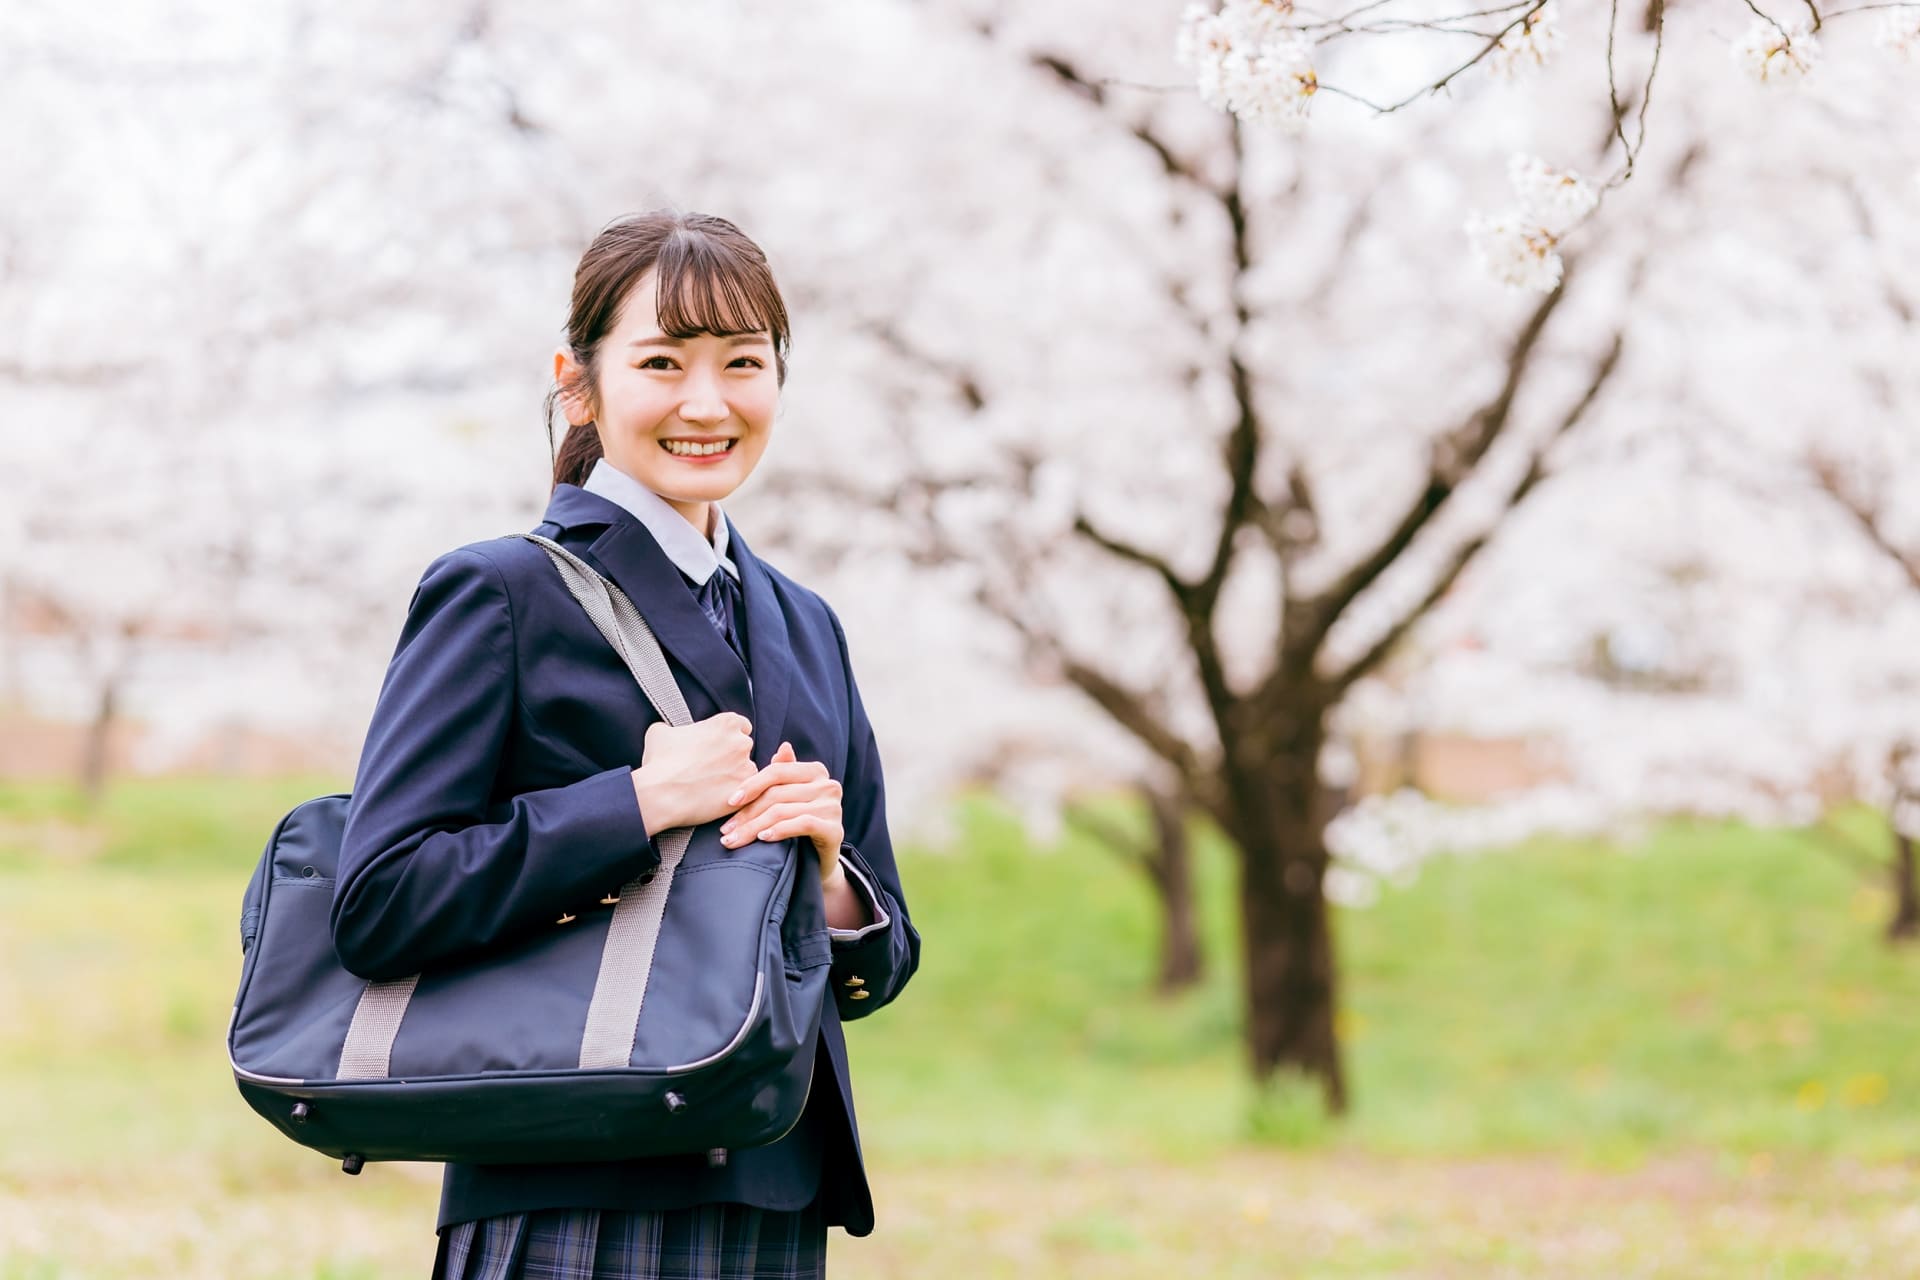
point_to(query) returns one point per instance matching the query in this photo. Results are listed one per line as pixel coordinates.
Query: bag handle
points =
(633, 934)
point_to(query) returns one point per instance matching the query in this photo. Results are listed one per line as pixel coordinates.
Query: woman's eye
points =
(656, 362)
(750, 361)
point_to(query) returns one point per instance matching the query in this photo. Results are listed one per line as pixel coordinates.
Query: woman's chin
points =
(698, 488)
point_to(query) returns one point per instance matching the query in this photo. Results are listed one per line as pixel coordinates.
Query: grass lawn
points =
(1688, 1058)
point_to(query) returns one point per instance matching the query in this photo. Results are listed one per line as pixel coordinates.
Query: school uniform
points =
(494, 793)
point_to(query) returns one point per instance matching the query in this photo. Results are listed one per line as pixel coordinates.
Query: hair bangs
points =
(710, 287)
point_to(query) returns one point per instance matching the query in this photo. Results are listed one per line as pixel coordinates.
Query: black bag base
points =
(529, 1118)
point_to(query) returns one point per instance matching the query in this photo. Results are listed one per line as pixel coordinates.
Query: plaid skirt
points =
(704, 1242)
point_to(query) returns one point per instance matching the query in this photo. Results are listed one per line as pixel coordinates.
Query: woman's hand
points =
(687, 772)
(790, 797)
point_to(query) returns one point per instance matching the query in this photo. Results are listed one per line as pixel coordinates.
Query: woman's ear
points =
(567, 373)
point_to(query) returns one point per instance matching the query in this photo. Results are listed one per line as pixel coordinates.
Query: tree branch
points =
(1182, 589)
(1127, 844)
(1094, 92)
(1492, 42)
(1471, 548)
(960, 379)
(1130, 710)
(1242, 447)
(1865, 516)
(1456, 457)
(68, 375)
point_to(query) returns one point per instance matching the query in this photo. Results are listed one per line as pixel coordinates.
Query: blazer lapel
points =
(768, 649)
(627, 553)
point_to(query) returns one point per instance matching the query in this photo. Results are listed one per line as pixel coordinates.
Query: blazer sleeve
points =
(431, 865)
(870, 965)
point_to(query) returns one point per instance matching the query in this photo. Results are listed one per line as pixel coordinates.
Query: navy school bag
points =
(678, 1015)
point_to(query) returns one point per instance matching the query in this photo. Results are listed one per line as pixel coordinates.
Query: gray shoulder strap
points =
(613, 1017)
(633, 934)
(620, 622)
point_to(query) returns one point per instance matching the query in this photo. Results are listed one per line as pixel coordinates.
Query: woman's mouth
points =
(699, 452)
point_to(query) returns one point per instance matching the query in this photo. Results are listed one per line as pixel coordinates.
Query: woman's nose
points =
(702, 401)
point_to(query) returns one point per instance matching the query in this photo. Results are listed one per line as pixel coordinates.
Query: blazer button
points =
(856, 982)
(859, 995)
(566, 919)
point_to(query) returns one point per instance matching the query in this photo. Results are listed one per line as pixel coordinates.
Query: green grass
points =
(1715, 1000)
(1715, 986)
(171, 825)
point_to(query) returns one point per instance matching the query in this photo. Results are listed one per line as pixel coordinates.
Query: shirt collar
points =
(692, 554)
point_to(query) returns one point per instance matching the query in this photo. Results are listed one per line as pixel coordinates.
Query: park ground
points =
(1688, 1055)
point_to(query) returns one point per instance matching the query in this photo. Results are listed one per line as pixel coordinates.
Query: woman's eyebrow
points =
(735, 340)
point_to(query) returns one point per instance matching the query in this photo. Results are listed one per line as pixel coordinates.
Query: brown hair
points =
(713, 280)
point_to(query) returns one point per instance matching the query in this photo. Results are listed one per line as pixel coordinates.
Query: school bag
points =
(679, 1016)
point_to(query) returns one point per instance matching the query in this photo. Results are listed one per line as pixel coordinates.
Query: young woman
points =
(513, 769)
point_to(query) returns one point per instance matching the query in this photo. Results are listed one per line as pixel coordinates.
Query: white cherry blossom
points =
(1557, 198)
(1516, 250)
(1777, 53)
(1899, 32)
(1529, 47)
(1249, 61)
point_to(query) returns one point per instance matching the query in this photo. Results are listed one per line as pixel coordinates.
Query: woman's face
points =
(689, 418)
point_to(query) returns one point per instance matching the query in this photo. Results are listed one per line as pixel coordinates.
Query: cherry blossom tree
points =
(1133, 441)
(1210, 585)
(1292, 550)
(1716, 619)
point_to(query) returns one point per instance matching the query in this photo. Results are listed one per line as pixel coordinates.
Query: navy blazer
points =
(495, 793)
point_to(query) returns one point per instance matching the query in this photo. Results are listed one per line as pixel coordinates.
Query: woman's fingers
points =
(778, 804)
(825, 831)
(780, 789)
(778, 772)
(790, 807)
(748, 827)
(780, 793)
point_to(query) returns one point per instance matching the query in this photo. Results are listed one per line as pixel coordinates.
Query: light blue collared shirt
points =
(692, 554)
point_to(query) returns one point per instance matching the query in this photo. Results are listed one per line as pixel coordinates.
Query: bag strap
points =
(633, 934)
(613, 1016)
(620, 622)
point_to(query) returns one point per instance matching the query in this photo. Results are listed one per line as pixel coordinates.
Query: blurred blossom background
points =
(1371, 536)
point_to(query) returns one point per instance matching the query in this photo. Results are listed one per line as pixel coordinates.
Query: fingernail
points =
(735, 797)
(766, 835)
(725, 827)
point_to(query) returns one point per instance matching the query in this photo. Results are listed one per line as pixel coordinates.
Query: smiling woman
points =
(514, 770)
(675, 377)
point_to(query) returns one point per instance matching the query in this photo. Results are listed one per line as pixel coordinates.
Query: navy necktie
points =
(719, 600)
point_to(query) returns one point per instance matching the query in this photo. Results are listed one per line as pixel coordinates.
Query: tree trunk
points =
(93, 757)
(1906, 899)
(1170, 867)
(1287, 932)
(1164, 856)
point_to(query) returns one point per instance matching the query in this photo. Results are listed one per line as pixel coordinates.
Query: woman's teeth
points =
(689, 450)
